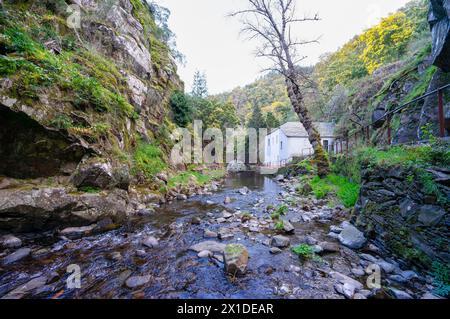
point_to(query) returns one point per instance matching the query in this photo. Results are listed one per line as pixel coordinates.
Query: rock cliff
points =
(83, 83)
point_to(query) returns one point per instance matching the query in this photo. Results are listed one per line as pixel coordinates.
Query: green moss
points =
(148, 160)
(279, 226)
(206, 177)
(422, 86)
(89, 189)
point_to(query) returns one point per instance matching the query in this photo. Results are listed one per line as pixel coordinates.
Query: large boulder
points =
(236, 259)
(352, 237)
(100, 174)
(439, 19)
(24, 210)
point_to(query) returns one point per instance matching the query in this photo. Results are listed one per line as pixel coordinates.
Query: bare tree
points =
(271, 21)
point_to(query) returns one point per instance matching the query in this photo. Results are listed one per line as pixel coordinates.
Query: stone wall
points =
(396, 212)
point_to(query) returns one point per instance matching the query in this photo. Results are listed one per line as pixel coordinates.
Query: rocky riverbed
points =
(222, 244)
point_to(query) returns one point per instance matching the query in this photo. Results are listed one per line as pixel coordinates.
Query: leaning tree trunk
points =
(320, 157)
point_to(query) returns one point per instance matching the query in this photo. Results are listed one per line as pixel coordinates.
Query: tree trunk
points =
(320, 157)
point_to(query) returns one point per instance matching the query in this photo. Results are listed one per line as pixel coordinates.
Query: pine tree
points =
(272, 121)
(257, 119)
(200, 87)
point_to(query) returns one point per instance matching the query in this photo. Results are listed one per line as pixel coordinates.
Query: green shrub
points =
(279, 226)
(304, 251)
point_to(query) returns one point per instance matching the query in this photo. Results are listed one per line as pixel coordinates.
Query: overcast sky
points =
(212, 44)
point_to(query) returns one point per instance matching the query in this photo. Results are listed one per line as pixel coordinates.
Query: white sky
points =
(211, 41)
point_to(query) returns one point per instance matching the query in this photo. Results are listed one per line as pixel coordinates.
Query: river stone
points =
(280, 241)
(343, 279)
(208, 245)
(244, 190)
(150, 242)
(275, 250)
(23, 290)
(288, 227)
(181, 197)
(205, 254)
(209, 234)
(279, 178)
(77, 232)
(387, 267)
(235, 259)
(328, 247)
(399, 294)
(10, 241)
(225, 234)
(137, 281)
(226, 214)
(352, 237)
(17, 256)
(227, 200)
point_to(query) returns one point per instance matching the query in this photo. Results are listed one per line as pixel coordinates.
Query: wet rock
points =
(10, 241)
(359, 296)
(275, 250)
(77, 232)
(116, 256)
(209, 234)
(348, 290)
(359, 272)
(94, 173)
(205, 254)
(431, 215)
(352, 237)
(343, 279)
(221, 220)
(137, 281)
(16, 256)
(369, 258)
(23, 290)
(430, 296)
(210, 202)
(335, 229)
(196, 220)
(328, 247)
(244, 191)
(288, 228)
(399, 294)
(23, 210)
(141, 253)
(236, 167)
(387, 267)
(225, 234)
(227, 200)
(279, 178)
(150, 242)
(280, 241)
(181, 197)
(226, 214)
(236, 259)
(208, 245)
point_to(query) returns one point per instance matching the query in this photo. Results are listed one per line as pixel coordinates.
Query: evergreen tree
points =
(272, 121)
(200, 87)
(257, 119)
(181, 109)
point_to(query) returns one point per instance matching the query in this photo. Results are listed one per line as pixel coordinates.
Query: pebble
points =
(209, 234)
(204, 254)
(17, 256)
(10, 241)
(275, 250)
(150, 242)
(137, 281)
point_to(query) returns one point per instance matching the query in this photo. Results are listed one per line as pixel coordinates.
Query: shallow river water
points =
(174, 270)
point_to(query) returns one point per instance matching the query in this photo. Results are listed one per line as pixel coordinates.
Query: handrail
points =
(365, 129)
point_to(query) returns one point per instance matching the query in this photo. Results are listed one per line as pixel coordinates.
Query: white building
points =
(291, 140)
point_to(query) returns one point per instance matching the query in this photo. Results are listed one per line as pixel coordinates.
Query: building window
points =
(325, 145)
(281, 145)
